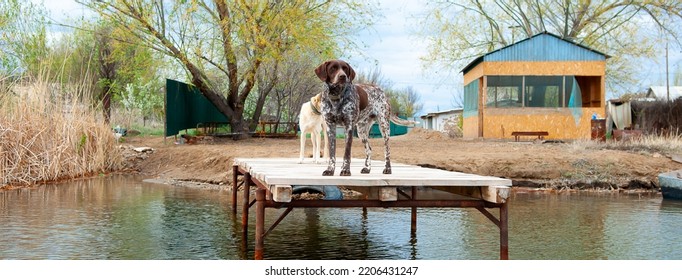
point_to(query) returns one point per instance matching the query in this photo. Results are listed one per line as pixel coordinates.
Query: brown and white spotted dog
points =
(349, 105)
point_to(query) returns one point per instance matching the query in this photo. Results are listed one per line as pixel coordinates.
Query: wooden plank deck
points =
(274, 178)
(278, 173)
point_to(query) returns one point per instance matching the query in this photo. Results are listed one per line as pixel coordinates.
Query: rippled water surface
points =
(120, 217)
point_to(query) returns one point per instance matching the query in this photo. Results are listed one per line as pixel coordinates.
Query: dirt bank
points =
(528, 164)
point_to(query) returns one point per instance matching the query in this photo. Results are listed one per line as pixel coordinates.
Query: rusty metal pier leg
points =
(260, 223)
(245, 209)
(235, 173)
(504, 232)
(413, 225)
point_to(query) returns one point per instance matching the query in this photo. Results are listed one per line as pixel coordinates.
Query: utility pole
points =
(512, 31)
(667, 76)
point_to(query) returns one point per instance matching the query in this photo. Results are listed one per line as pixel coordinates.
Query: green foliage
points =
(144, 97)
(223, 44)
(148, 131)
(23, 40)
(405, 102)
(80, 145)
(108, 60)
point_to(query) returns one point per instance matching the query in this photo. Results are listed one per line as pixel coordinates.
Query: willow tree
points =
(628, 30)
(222, 44)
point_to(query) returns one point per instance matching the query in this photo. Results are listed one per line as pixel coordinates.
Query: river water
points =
(122, 217)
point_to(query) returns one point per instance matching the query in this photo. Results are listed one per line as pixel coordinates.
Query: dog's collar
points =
(315, 111)
(335, 97)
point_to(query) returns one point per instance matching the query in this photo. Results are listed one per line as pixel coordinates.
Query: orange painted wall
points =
(470, 127)
(558, 122)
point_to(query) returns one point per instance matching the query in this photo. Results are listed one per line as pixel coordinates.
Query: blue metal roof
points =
(541, 47)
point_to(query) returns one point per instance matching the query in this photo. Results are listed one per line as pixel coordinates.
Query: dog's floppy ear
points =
(321, 71)
(351, 73)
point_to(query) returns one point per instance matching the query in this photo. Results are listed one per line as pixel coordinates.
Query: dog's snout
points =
(343, 77)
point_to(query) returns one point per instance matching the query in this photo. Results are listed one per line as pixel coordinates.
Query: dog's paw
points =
(387, 170)
(365, 170)
(345, 172)
(328, 172)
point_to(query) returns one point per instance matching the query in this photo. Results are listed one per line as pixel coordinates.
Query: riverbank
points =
(531, 165)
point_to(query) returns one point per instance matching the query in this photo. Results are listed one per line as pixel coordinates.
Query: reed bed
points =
(46, 136)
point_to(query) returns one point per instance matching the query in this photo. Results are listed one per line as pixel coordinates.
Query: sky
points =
(391, 47)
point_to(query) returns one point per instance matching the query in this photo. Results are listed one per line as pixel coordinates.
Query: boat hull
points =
(671, 184)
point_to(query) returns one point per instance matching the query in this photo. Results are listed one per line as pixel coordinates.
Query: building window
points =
(504, 91)
(471, 99)
(542, 91)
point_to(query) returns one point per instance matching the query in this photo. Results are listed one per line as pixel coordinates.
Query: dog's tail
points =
(399, 121)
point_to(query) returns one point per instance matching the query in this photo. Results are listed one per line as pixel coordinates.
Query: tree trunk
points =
(237, 124)
(258, 111)
(106, 104)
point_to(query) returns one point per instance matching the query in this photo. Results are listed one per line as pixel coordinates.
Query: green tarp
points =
(186, 107)
(375, 132)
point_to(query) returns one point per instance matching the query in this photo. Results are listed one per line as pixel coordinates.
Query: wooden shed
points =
(541, 84)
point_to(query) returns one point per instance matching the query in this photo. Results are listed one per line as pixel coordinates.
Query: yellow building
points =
(540, 84)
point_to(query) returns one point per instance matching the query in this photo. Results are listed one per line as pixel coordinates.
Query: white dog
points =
(310, 120)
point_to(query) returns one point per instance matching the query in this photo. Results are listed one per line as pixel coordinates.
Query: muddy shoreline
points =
(531, 166)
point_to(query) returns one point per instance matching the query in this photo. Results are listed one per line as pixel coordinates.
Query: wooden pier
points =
(273, 179)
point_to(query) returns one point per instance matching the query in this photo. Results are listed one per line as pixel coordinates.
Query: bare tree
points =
(403, 102)
(457, 100)
(374, 76)
(295, 84)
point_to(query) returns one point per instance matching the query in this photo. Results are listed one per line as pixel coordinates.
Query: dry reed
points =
(666, 145)
(47, 135)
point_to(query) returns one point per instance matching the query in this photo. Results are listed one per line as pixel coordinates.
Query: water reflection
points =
(120, 217)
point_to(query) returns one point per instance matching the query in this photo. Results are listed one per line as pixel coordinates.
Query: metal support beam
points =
(413, 224)
(504, 232)
(379, 203)
(279, 220)
(489, 216)
(235, 173)
(245, 207)
(260, 223)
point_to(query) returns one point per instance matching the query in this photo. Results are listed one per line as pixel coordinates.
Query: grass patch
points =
(148, 130)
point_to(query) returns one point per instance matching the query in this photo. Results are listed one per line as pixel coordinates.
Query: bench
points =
(540, 134)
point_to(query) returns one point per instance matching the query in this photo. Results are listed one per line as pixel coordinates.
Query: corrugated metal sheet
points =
(540, 47)
(544, 47)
